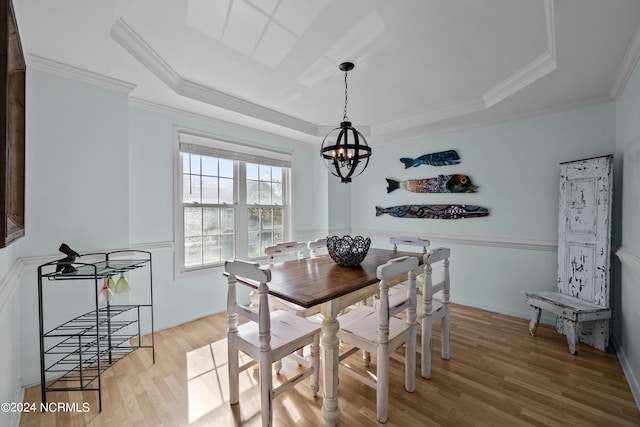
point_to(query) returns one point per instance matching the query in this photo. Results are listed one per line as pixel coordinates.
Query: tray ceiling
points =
(422, 67)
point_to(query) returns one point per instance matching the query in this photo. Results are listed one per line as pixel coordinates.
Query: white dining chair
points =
(398, 291)
(378, 331)
(433, 301)
(317, 247)
(266, 337)
(435, 306)
(289, 250)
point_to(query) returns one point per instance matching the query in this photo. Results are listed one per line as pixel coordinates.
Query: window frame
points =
(242, 151)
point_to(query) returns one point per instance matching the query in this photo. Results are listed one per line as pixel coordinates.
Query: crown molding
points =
(627, 65)
(126, 37)
(522, 78)
(154, 107)
(466, 107)
(78, 74)
(420, 133)
(533, 71)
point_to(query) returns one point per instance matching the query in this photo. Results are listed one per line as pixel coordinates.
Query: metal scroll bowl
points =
(348, 251)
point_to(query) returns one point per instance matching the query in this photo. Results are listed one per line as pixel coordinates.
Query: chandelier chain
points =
(346, 95)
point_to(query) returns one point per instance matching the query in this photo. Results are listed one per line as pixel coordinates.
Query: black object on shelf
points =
(65, 265)
(74, 354)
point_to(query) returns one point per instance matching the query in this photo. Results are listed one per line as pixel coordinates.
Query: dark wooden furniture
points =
(12, 111)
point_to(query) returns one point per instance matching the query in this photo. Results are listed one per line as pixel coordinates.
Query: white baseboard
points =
(15, 418)
(634, 384)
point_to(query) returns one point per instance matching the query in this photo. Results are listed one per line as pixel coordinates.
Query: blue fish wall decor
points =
(434, 211)
(441, 184)
(441, 158)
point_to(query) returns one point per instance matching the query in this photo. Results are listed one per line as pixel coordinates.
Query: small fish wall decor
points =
(441, 158)
(434, 211)
(441, 184)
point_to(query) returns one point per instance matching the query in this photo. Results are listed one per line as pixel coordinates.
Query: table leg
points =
(330, 345)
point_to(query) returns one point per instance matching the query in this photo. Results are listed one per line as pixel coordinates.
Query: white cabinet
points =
(584, 239)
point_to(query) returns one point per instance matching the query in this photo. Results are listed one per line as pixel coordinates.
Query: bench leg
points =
(571, 331)
(535, 320)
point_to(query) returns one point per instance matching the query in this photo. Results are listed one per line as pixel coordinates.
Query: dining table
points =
(319, 281)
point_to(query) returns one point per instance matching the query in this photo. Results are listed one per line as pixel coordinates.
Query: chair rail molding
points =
(461, 239)
(629, 259)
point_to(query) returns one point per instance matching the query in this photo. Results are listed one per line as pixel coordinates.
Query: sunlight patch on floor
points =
(208, 380)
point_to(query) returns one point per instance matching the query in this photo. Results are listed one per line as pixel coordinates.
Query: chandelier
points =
(348, 156)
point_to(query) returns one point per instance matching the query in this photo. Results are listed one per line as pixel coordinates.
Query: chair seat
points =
(362, 321)
(285, 328)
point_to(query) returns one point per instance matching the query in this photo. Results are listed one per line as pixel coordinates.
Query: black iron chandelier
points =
(349, 155)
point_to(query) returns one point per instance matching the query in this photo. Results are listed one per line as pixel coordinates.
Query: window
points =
(232, 201)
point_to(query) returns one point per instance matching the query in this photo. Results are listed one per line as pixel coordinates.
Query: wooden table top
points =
(312, 281)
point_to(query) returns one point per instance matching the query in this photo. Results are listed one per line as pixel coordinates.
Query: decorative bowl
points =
(348, 251)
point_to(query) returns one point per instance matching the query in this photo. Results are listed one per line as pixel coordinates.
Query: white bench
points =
(572, 310)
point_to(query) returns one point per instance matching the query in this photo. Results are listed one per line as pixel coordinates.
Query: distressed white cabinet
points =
(584, 240)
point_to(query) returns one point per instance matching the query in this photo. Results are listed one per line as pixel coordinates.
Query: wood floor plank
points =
(498, 375)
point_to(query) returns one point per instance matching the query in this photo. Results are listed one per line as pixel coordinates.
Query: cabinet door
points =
(584, 239)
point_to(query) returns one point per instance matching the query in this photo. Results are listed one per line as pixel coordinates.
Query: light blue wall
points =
(151, 151)
(626, 294)
(77, 166)
(515, 166)
(10, 328)
(100, 176)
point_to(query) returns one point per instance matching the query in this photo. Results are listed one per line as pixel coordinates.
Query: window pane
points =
(211, 221)
(254, 244)
(209, 189)
(227, 249)
(252, 192)
(252, 171)
(209, 166)
(277, 218)
(194, 161)
(265, 173)
(226, 168)
(277, 193)
(265, 193)
(267, 219)
(254, 220)
(211, 250)
(192, 222)
(227, 221)
(276, 174)
(192, 251)
(190, 188)
(266, 240)
(226, 190)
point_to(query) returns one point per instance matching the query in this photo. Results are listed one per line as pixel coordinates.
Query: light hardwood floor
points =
(498, 375)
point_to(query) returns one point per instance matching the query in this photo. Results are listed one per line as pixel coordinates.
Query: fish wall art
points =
(441, 158)
(434, 211)
(441, 184)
